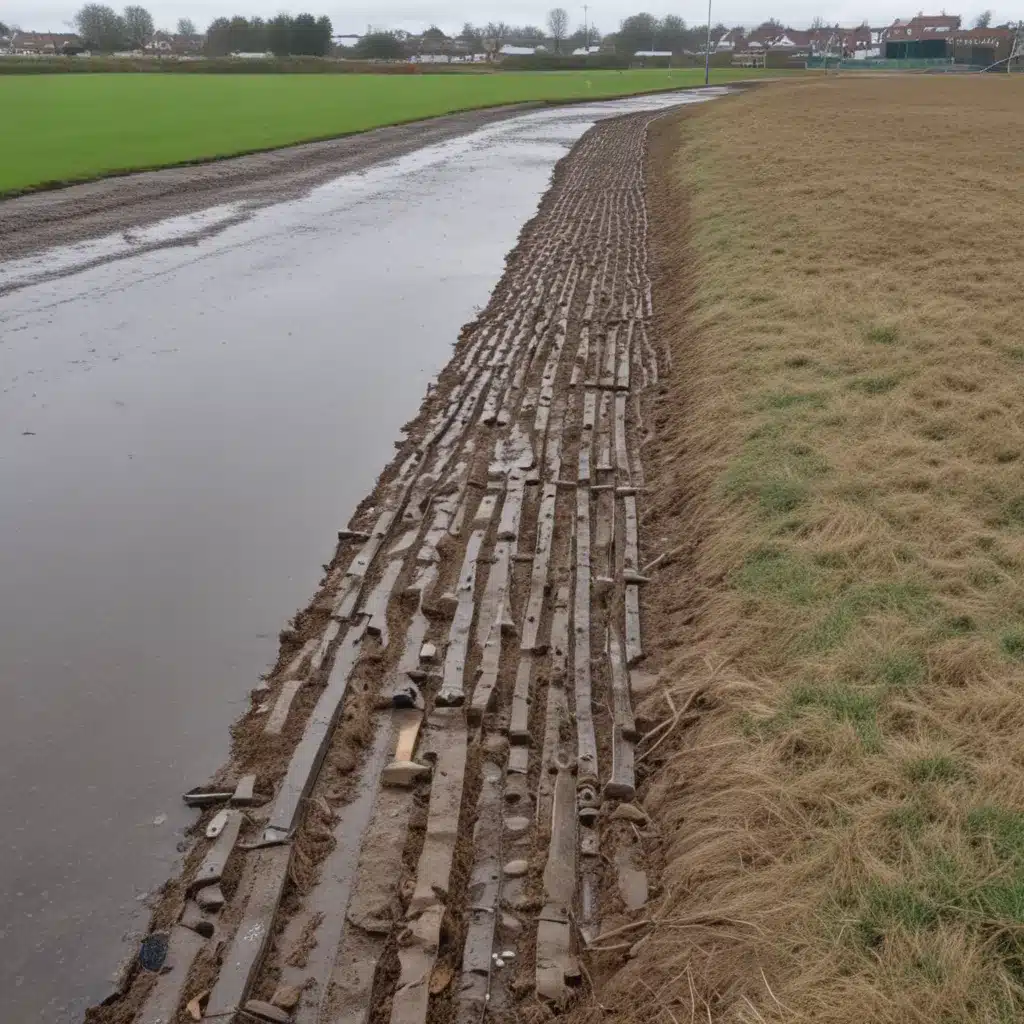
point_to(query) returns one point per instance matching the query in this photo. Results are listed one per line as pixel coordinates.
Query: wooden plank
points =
(621, 451)
(279, 714)
(489, 623)
(634, 647)
(519, 717)
(328, 902)
(485, 889)
(556, 712)
(309, 752)
(610, 357)
(418, 955)
(452, 686)
(586, 742)
(250, 941)
(541, 564)
(212, 868)
(622, 784)
(631, 551)
(164, 999)
(402, 769)
(375, 607)
(554, 936)
(622, 373)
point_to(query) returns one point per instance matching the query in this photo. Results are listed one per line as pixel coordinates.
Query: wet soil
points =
(540, 417)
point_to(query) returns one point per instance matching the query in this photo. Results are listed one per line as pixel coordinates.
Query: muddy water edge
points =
(182, 429)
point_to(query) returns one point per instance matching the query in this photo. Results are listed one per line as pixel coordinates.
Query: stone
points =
(516, 868)
(217, 823)
(630, 812)
(210, 897)
(428, 652)
(287, 996)
(511, 925)
(517, 824)
(267, 1011)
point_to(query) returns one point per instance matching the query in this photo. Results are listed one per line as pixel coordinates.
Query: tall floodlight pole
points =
(707, 50)
(586, 28)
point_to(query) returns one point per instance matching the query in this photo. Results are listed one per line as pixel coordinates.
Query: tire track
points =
(439, 842)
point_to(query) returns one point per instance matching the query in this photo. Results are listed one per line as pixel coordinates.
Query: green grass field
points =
(64, 128)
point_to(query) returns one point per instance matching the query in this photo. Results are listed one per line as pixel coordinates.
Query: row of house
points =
(50, 44)
(935, 37)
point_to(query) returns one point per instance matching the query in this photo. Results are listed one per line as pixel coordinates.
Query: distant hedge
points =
(551, 62)
(223, 66)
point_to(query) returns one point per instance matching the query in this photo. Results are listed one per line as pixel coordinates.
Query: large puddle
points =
(182, 430)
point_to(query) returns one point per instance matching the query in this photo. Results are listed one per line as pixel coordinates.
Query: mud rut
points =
(455, 734)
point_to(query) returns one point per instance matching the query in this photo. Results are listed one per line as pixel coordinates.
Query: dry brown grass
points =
(839, 451)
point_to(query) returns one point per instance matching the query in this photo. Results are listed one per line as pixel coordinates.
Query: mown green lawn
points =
(62, 128)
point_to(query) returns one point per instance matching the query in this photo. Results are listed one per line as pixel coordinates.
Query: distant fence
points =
(879, 63)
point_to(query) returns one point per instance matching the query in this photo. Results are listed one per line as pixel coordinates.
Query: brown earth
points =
(836, 468)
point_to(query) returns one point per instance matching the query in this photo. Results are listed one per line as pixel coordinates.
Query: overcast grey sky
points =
(415, 15)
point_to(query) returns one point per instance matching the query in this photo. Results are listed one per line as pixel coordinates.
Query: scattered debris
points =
(267, 1011)
(217, 823)
(153, 951)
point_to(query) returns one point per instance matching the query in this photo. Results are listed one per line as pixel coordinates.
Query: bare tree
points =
(558, 25)
(138, 27)
(187, 27)
(496, 34)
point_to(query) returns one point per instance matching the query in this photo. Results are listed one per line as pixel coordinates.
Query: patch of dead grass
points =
(839, 267)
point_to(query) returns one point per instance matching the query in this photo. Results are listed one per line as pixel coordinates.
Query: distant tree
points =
(218, 37)
(673, 34)
(138, 27)
(434, 36)
(279, 35)
(527, 35)
(496, 34)
(638, 32)
(187, 27)
(472, 37)
(305, 40)
(4, 30)
(983, 20)
(584, 37)
(101, 27)
(818, 22)
(558, 26)
(380, 46)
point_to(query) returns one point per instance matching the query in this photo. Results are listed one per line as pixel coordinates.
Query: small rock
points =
(508, 954)
(517, 824)
(428, 652)
(516, 868)
(440, 979)
(217, 823)
(267, 1011)
(159, 819)
(153, 952)
(287, 996)
(210, 897)
(629, 812)
(511, 924)
(498, 962)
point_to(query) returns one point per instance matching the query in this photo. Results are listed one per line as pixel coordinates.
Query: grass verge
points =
(77, 127)
(837, 458)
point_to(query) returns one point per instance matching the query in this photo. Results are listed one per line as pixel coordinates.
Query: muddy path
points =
(38, 221)
(427, 816)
